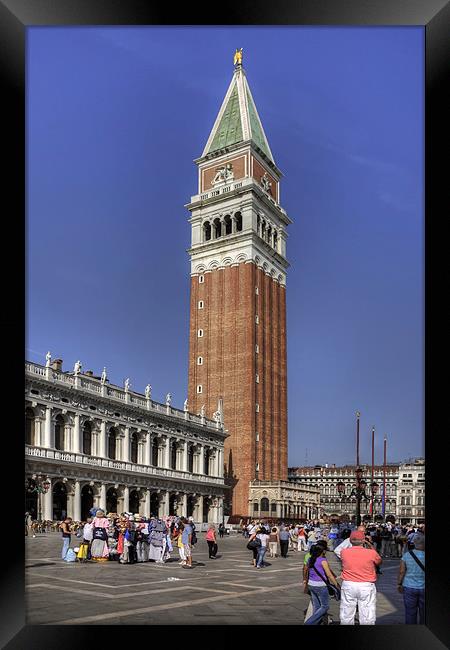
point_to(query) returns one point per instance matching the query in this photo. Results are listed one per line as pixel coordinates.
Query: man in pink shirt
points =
(358, 586)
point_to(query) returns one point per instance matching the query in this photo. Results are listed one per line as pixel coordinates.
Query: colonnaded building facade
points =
(100, 444)
(237, 347)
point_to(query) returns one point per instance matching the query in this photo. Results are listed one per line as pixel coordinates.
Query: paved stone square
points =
(227, 590)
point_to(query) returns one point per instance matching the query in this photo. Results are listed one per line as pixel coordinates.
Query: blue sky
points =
(115, 117)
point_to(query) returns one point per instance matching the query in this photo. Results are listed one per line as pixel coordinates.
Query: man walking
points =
(359, 577)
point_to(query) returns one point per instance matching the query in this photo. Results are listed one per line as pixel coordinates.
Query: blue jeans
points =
(320, 600)
(414, 601)
(261, 553)
(65, 548)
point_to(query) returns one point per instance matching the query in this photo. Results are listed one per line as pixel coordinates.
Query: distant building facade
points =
(411, 492)
(103, 445)
(404, 498)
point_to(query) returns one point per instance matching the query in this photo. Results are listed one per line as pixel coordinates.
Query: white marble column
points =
(147, 503)
(201, 460)
(141, 450)
(77, 444)
(47, 502)
(126, 499)
(164, 504)
(148, 449)
(38, 441)
(126, 446)
(167, 453)
(183, 501)
(220, 510)
(77, 502)
(184, 466)
(49, 432)
(103, 497)
(103, 446)
(199, 509)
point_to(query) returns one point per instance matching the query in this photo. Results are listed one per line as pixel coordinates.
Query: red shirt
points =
(358, 564)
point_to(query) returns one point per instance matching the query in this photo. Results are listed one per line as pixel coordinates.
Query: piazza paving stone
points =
(225, 591)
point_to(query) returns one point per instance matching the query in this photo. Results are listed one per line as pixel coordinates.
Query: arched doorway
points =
(134, 502)
(205, 509)
(112, 444)
(154, 504)
(31, 500)
(264, 508)
(87, 439)
(172, 504)
(87, 501)
(111, 500)
(59, 433)
(190, 505)
(29, 427)
(134, 447)
(59, 501)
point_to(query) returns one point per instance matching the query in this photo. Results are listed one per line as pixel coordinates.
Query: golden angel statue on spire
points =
(238, 57)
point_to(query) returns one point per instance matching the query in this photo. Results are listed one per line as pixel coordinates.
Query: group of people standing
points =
(129, 538)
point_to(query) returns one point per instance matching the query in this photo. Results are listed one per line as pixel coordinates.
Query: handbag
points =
(254, 544)
(333, 592)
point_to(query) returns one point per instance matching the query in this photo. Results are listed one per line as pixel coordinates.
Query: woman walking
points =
(273, 542)
(211, 541)
(264, 539)
(318, 575)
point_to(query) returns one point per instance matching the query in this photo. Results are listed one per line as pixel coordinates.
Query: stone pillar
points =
(164, 504)
(201, 460)
(167, 453)
(38, 441)
(77, 502)
(49, 431)
(147, 503)
(140, 454)
(77, 443)
(184, 466)
(126, 446)
(126, 499)
(183, 502)
(220, 510)
(198, 516)
(148, 450)
(103, 497)
(102, 448)
(47, 504)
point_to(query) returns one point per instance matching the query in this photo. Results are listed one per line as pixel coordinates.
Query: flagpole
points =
(373, 460)
(383, 512)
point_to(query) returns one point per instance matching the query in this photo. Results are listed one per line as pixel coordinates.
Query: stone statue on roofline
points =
(185, 406)
(77, 368)
(127, 385)
(148, 391)
(48, 359)
(103, 377)
(168, 399)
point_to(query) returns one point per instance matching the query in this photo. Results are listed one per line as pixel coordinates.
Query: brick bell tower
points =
(237, 346)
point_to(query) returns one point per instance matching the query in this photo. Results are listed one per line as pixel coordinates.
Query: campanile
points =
(237, 345)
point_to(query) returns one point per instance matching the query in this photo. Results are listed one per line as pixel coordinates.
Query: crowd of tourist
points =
(129, 538)
(360, 551)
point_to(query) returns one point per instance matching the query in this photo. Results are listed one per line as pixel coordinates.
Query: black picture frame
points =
(15, 17)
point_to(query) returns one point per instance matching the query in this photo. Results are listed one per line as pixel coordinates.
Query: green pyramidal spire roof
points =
(238, 119)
